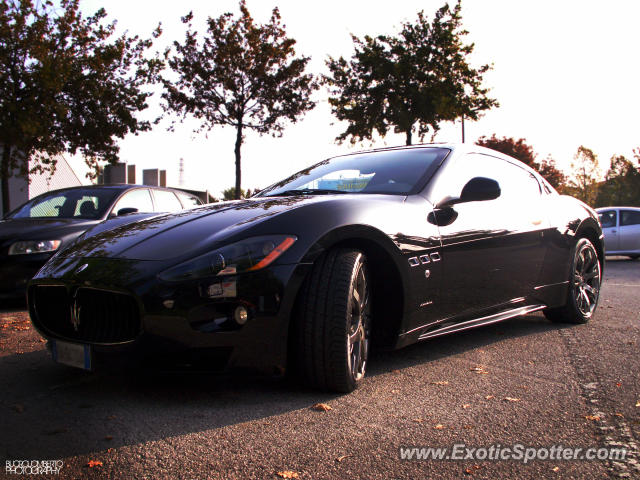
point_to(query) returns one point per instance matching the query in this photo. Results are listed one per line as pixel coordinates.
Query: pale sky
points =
(565, 73)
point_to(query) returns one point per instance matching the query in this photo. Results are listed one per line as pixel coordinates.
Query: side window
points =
(455, 176)
(166, 201)
(629, 217)
(516, 184)
(608, 219)
(138, 198)
(188, 200)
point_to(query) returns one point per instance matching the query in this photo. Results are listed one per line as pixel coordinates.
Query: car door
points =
(492, 251)
(629, 230)
(609, 222)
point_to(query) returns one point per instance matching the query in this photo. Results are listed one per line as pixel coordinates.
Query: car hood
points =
(170, 236)
(28, 228)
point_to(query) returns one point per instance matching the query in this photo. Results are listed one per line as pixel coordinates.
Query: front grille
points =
(92, 316)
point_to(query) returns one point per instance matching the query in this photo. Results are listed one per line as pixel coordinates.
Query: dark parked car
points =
(384, 248)
(621, 228)
(31, 234)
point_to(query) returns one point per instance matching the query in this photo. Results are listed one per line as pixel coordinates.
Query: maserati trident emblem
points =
(82, 268)
(75, 313)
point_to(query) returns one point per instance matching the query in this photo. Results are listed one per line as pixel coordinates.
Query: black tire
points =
(584, 286)
(333, 326)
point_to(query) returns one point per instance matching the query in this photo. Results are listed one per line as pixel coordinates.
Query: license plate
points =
(72, 354)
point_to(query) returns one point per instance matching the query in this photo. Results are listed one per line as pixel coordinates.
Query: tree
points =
(551, 173)
(411, 81)
(584, 176)
(241, 74)
(520, 150)
(66, 85)
(621, 185)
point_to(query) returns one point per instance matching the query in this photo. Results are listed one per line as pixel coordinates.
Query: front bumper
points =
(17, 270)
(177, 324)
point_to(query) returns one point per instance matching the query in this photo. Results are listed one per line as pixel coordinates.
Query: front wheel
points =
(584, 286)
(334, 322)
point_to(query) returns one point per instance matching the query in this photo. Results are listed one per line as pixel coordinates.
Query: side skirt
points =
(478, 322)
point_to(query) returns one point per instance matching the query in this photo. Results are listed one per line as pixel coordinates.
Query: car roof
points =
(456, 148)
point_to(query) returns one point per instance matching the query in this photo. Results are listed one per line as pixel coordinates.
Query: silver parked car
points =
(621, 228)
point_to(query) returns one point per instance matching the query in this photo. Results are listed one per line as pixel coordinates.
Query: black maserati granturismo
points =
(378, 248)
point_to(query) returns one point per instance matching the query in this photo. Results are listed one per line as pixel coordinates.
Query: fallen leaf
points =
(94, 463)
(395, 391)
(288, 474)
(441, 382)
(594, 418)
(108, 437)
(489, 397)
(618, 384)
(511, 399)
(531, 362)
(555, 469)
(18, 407)
(466, 405)
(479, 370)
(439, 427)
(638, 403)
(111, 417)
(619, 415)
(418, 420)
(321, 407)
(341, 458)
(470, 470)
(468, 427)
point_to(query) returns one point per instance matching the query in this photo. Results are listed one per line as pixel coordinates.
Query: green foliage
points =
(240, 74)
(416, 79)
(230, 193)
(520, 150)
(622, 183)
(584, 177)
(66, 85)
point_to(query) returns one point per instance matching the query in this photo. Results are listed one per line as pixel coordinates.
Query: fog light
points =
(241, 315)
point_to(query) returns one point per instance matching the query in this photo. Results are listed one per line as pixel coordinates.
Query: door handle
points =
(614, 231)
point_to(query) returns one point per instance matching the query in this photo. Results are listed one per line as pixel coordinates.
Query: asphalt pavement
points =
(524, 382)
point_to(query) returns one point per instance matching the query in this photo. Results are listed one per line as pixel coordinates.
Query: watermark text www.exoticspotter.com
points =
(516, 452)
(33, 467)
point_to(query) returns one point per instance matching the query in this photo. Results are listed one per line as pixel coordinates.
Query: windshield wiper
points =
(307, 191)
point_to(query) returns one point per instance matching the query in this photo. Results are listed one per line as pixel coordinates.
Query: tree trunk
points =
(238, 171)
(409, 137)
(4, 176)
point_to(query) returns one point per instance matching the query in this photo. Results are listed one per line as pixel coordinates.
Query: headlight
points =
(34, 246)
(243, 256)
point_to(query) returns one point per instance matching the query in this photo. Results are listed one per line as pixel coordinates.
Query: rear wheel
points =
(634, 257)
(584, 286)
(334, 322)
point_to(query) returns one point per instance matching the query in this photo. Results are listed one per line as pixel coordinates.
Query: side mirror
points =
(127, 211)
(477, 189)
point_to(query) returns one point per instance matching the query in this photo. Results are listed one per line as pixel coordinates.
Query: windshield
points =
(89, 203)
(391, 171)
